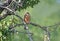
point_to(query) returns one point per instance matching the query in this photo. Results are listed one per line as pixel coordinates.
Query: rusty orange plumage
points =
(27, 17)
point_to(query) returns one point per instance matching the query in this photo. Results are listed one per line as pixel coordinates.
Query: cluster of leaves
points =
(31, 3)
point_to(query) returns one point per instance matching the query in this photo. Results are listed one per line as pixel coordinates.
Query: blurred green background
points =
(45, 13)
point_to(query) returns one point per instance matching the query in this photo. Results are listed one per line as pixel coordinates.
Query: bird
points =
(27, 18)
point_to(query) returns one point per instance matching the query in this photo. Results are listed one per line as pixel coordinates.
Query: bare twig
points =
(15, 31)
(13, 13)
(54, 25)
(30, 35)
(27, 30)
(34, 24)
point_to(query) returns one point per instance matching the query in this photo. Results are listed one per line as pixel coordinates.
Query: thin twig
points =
(11, 26)
(27, 30)
(54, 25)
(34, 24)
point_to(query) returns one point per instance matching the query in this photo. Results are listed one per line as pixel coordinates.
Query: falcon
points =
(27, 18)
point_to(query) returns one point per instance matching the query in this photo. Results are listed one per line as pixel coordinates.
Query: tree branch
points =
(37, 25)
(54, 25)
(6, 14)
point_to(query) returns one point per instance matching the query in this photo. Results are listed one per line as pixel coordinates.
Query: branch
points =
(13, 13)
(15, 31)
(34, 24)
(11, 25)
(4, 15)
(54, 25)
(20, 4)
